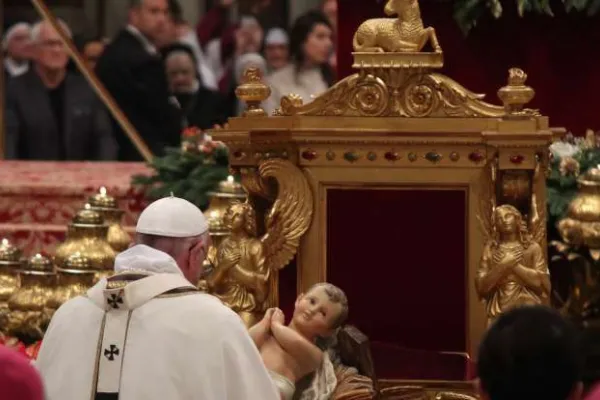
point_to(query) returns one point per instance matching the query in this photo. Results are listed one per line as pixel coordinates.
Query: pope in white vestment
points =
(147, 333)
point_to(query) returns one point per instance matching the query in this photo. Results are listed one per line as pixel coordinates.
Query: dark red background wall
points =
(561, 55)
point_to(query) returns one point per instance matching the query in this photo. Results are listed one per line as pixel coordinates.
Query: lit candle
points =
(214, 214)
(230, 179)
(38, 255)
(87, 206)
(102, 191)
(5, 242)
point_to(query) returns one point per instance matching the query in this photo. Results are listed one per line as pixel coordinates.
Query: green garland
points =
(468, 12)
(189, 172)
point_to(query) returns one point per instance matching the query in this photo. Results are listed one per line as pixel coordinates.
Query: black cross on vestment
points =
(114, 300)
(111, 353)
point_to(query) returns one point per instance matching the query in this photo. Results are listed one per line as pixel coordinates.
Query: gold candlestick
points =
(87, 235)
(28, 316)
(228, 192)
(73, 280)
(107, 206)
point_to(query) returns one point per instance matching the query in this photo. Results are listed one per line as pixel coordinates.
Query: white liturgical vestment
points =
(141, 336)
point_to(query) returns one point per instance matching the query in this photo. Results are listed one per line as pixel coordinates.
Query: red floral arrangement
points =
(31, 351)
(190, 171)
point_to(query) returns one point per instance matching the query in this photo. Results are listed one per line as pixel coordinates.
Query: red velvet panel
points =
(287, 289)
(394, 362)
(400, 256)
(557, 53)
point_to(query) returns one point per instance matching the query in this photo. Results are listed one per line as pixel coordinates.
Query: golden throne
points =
(404, 165)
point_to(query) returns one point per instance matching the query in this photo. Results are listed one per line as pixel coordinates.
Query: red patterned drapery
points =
(39, 199)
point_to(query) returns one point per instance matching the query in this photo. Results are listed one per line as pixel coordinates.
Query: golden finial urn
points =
(227, 192)
(28, 316)
(253, 92)
(107, 206)
(87, 236)
(73, 280)
(10, 264)
(582, 224)
(516, 94)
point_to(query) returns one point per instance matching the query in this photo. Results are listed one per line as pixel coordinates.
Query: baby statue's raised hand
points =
(278, 317)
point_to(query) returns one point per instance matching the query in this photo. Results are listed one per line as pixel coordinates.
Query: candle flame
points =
(214, 214)
(230, 179)
(103, 191)
(5, 242)
(87, 206)
(38, 255)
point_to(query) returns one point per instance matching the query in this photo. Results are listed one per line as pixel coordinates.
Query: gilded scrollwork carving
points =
(245, 268)
(390, 92)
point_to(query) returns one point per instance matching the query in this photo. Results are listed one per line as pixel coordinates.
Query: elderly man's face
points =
(49, 49)
(181, 73)
(19, 46)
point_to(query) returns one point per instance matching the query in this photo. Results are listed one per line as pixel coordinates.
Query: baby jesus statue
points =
(290, 352)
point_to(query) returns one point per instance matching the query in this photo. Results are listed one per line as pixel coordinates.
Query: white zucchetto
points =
(172, 217)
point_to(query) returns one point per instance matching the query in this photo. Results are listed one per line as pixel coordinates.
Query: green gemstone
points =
(433, 157)
(371, 156)
(351, 156)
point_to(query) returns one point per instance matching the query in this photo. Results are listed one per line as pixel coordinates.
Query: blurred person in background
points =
(133, 71)
(19, 380)
(222, 54)
(531, 352)
(309, 74)
(185, 34)
(91, 48)
(330, 9)
(201, 108)
(277, 49)
(16, 49)
(53, 114)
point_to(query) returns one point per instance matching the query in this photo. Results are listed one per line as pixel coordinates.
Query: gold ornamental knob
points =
(253, 92)
(87, 216)
(516, 94)
(9, 253)
(103, 200)
(39, 263)
(78, 262)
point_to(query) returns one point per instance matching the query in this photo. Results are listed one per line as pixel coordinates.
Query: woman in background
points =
(309, 74)
(201, 107)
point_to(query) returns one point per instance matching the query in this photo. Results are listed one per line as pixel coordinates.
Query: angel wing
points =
(487, 200)
(537, 214)
(291, 213)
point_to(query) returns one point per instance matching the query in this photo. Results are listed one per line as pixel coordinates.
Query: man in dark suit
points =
(52, 114)
(132, 70)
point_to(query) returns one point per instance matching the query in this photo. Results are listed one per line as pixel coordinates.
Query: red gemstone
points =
(391, 156)
(309, 155)
(516, 159)
(476, 157)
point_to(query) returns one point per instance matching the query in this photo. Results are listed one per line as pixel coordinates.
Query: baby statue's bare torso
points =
(276, 359)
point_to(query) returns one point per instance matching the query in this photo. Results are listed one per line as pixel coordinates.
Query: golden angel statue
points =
(513, 270)
(246, 265)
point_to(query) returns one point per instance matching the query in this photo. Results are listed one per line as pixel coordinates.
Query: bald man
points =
(147, 332)
(52, 114)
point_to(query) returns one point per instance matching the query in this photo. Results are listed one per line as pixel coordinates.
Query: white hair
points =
(37, 28)
(249, 60)
(12, 31)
